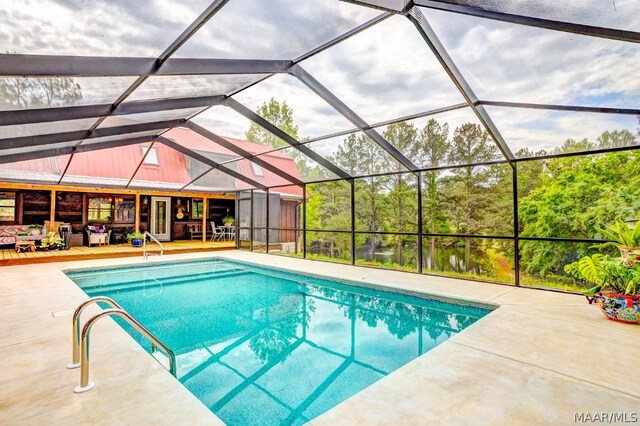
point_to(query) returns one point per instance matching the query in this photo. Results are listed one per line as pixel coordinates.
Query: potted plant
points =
(228, 220)
(622, 303)
(34, 230)
(51, 242)
(136, 238)
(626, 239)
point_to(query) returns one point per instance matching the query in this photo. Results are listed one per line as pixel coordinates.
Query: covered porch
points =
(8, 256)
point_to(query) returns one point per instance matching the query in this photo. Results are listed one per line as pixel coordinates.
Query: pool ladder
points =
(80, 340)
(145, 253)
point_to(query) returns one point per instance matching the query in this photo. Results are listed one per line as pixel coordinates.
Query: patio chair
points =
(97, 234)
(216, 234)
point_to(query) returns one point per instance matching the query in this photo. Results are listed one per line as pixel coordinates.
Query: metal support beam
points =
(198, 23)
(208, 161)
(162, 59)
(304, 221)
(195, 179)
(393, 6)
(247, 113)
(219, 140)
(549, 24)
(352, 183)
(64, 172)
(47, 115)
(251, 223)
(313, 84)
(53, 138)
(15, 65)
(267, 221)
(237, 219)
(53, 152)
(144, 156)
(516, 225)
(342, 37)
(430, 37)
(555, 107)
(420, 224)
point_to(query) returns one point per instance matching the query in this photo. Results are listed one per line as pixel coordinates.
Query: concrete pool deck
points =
(537, 359)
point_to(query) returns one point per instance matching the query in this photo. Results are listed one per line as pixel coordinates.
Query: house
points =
(153, 187)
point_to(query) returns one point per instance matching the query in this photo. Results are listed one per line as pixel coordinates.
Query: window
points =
(257, 170)
(125, 210)
(7, 206)
(152, 157)
(99, 209)
(197, 207)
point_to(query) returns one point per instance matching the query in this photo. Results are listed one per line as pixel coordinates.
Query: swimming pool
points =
(263, 346)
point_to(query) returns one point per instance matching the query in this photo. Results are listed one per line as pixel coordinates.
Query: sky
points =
(383, 73)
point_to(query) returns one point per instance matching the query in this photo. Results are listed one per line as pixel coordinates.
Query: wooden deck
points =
(10, 257)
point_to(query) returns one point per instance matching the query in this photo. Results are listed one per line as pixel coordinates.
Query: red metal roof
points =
(121, 162)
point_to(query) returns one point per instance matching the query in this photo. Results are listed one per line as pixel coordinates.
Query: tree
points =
(575, 197)
(470, 144)
(432, 150)
(402, 194)
(278, 114)
(361, 155)
(38, 92)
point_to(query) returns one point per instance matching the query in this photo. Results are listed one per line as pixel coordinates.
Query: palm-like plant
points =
(621, 235)
(605, 271)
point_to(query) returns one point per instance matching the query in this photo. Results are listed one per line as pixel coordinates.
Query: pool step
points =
(141, 282)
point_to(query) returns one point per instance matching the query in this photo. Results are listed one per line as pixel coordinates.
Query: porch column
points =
(205, 214)
(137, 226)
(52, 211)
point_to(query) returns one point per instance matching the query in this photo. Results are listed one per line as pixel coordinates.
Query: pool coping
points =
(500, 341)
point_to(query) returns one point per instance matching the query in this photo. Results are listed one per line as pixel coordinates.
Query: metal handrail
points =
(75, 334)
(144, 244)
(85, 385)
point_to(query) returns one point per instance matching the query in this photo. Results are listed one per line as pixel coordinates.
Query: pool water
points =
(260, 346)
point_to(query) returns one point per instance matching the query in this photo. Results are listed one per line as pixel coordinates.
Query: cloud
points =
(383, 73)
(114, 28)
(509, 62)
(274, 29)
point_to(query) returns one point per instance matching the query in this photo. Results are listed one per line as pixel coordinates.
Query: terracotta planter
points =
(620, 307)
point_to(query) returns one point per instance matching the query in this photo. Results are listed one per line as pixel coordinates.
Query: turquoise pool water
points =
(260, 346)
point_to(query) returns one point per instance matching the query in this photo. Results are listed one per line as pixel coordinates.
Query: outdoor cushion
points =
(8, 233)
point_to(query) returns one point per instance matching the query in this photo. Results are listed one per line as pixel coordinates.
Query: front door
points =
(161, 218)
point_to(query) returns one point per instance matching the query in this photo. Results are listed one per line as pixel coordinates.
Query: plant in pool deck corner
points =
(51, 242)
(626, 239)
(228, 220)
(135, 238)
(606, 272)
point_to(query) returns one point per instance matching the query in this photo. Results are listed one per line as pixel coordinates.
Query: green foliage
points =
(135, 236)
(572, 197)
(228, 220)
(51, 240)
(278, 114)
(623, 236)
(610, 272)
